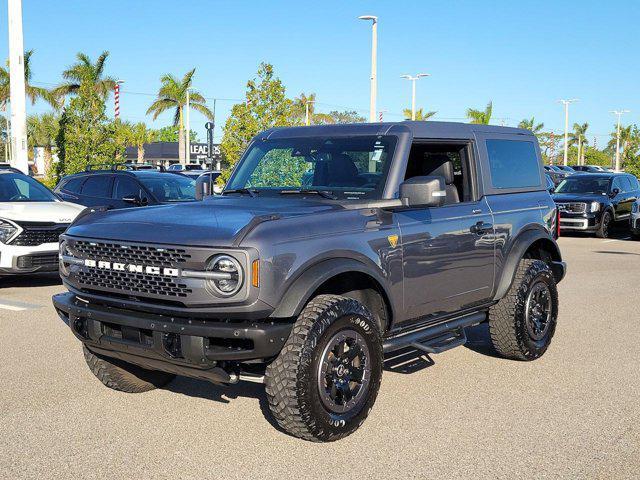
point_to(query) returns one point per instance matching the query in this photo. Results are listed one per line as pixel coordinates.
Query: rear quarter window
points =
(513, 164)
(73, 185)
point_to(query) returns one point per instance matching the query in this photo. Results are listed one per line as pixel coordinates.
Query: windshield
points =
(170, 187)
(348, 167)
(16, 187)
(595, 185)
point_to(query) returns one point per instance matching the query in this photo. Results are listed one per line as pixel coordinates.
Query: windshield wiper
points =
(323, 193)
(248, 191)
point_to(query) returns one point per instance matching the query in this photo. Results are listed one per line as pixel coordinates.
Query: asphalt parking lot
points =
(463, 413)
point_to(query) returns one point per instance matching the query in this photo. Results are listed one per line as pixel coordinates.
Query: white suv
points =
(31, 220)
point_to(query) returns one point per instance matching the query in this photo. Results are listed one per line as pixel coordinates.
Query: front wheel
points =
(605, 225)
(325, 380)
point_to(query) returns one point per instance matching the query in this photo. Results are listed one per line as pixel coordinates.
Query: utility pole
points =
(116, 98)
(566, 127)
(413, 90)
(374, 65)
(187, 141)
(619, 114)
(20, 159)
(307, 120)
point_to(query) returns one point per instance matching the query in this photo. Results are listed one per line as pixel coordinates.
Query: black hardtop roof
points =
(419, 129)
(598, 174)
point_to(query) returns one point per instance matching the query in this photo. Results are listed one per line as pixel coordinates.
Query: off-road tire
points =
(292, 378)
(605, 225)
(123, 376)
(507, 327)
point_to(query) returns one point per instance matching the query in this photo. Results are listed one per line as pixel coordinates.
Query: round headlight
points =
(229, 275)
(63, 250)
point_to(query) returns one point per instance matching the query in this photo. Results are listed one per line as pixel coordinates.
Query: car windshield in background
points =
(15, 187)
(170, 187)
(595, 185)
(348, 167)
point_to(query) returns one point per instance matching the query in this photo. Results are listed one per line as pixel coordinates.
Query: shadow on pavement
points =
(33, 280)
(479, 340)
(223, 393)
(407, 360)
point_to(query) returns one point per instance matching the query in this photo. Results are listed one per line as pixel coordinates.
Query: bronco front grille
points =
(133, 282)
(131, 253)
(572, 207)
(37, 233)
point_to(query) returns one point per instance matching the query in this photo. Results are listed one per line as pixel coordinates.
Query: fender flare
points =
(299, 292)
(518, 248)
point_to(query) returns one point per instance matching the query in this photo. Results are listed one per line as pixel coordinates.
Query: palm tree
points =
(579, 136)
(173, 95)
(626, 139)
(530, 124)
(420, 115)
(41, 132)
(34, 93)
(140, 135)
(480, 116)
(85, 72)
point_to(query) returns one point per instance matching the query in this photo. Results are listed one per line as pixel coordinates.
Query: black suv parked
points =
(591, 202)
(330, 246)
(115, 188)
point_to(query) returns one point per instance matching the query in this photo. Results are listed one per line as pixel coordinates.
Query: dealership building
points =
(166, 153)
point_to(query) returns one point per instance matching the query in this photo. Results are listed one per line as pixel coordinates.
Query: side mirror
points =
(427, 191)
(202, 189)
(614, 193)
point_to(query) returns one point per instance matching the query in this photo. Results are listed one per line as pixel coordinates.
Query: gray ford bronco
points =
(330, 247)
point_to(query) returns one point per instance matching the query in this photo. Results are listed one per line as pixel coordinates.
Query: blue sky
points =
(523, 56)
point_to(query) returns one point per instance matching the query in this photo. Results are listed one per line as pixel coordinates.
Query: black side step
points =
(436, 338)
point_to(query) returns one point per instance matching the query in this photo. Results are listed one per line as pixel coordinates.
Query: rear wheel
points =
(123, 376)
(324, 382)
(523, 322)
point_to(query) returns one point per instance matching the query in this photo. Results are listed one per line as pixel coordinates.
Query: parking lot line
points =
(17, 306)
(617, 239)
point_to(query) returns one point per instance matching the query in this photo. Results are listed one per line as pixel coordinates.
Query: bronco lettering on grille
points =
(132, 268)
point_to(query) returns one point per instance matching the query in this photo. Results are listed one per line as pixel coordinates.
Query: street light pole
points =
(374, 65)
(187, 141)
(619, 114)
(17, 98)
(413, 90)
(307, 121)
(566, 127)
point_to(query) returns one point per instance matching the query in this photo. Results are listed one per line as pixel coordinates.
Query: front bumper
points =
(585, 222)
(192, 347)
(25, 259)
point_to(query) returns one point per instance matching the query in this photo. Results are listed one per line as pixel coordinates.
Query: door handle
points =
(481, 227)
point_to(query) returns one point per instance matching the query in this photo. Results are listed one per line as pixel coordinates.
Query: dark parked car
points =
(126, 188)
(566, 168)
(590, 169)
(551, 186)
(556, 174)
(590, 202)
(403, 235)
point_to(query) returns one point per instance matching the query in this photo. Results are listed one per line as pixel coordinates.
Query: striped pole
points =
(116, 97)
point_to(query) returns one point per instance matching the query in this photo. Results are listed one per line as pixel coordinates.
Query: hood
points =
(217, 221)
(580, 197)
(58, 212)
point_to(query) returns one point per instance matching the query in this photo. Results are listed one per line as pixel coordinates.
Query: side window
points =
(513, 164)
(448, 160)
(98, 186)
(126, 187)
(617, 183)
(634, 183)
(626, 184)
(73, 185)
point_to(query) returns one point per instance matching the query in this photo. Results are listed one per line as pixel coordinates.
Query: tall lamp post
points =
(17, 98)
(413, 90)
(374, 65)
(566, 127)
(619, 114)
